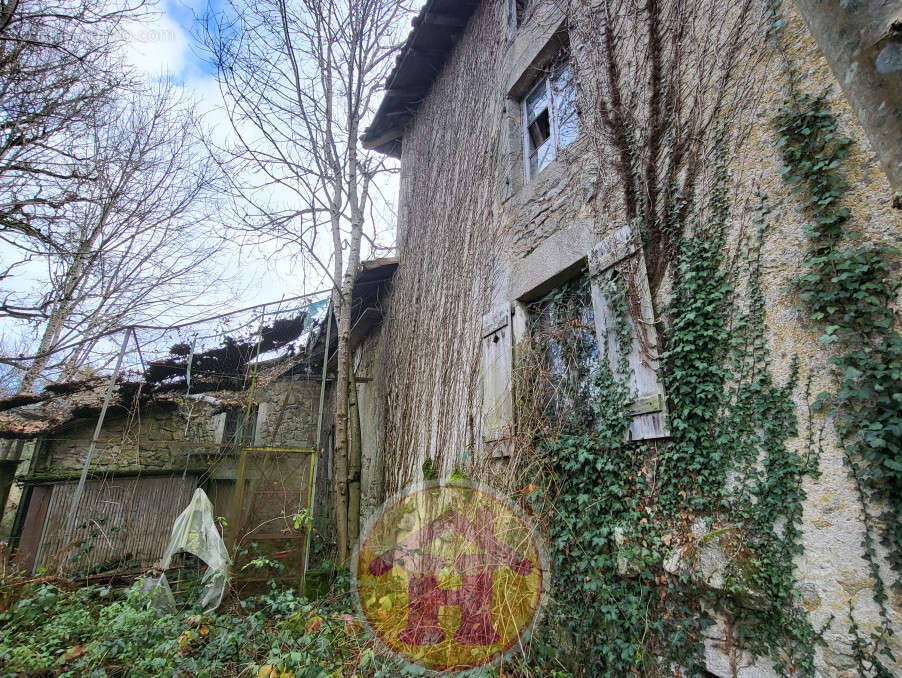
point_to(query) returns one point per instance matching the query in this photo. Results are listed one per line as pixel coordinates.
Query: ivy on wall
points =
(633, 527)
(848, 290)
(631, 524)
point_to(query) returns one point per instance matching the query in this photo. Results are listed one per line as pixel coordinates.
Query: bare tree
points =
(135, 242)
(60, 65)
(299, 81)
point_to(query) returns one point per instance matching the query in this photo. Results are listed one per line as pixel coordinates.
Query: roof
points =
(218, 377)
(436, 31)
(61, 405)
(372, 285)
(59, 411)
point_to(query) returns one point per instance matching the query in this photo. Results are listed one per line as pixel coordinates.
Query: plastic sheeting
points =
(194, 531)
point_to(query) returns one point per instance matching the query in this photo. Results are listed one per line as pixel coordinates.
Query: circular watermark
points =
(450, 577)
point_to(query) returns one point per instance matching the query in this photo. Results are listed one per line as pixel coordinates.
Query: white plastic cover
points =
(194, 531)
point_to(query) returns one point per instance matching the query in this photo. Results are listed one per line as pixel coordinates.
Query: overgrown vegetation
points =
(848, 290)
(653, 542)
(98, 631)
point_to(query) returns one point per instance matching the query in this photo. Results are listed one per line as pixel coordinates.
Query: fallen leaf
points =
(73, 652)
(313, 625)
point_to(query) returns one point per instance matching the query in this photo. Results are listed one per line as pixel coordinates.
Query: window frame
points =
(518, 11)
(546, 80)
(543, 81)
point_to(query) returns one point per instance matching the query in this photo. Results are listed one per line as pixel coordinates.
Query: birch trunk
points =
(58, 316)
(354, 463)
(342, 429)
(862, 41)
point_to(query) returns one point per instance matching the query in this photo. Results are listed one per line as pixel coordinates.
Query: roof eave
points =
(437, 30)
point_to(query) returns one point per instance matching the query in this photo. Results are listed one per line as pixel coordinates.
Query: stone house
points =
(509, 195)
(162, 437)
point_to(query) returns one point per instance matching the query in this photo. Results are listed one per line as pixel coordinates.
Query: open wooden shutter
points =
(619, 255)
(497, 402)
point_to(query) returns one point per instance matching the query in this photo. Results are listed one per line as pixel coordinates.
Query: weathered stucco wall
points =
(832, 572)
(525, 234)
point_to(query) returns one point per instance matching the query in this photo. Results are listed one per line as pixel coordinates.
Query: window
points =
(232, 424)
(550, 121)
(571, 334)
(565, 352)
(521, 7)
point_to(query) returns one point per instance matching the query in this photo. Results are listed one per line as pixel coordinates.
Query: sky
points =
(161, 47)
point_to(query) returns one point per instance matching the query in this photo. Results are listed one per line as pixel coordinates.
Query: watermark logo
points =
(149, 35)
(450, 577)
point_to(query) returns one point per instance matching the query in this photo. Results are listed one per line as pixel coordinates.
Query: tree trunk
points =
(341, 399)
(341, 426)
(862, 41)
(48, 340)
(59, 315)
(354, 463)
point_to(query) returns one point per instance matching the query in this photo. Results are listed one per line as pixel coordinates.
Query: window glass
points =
(564, 95)
(550, 117)
(562, 333)
(537, 100)
(539, 158)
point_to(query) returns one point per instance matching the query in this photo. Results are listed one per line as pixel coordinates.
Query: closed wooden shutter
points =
(617, 259)
(497, 399)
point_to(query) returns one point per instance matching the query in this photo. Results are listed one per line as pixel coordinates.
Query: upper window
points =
(516, 15)
(521, 6)
(550, 120)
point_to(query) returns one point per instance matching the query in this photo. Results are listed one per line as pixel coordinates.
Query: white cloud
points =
(157, 46)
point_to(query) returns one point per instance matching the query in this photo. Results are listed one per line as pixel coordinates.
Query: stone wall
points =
(192, 433)
(287, 413)
(189, 430)
(540, 228)
(156, 439)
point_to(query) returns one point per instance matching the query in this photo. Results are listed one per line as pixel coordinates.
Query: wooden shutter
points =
(620, 255)
(497, 402)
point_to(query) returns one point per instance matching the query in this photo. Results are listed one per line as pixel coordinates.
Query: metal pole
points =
(319, 431)
(79, 490)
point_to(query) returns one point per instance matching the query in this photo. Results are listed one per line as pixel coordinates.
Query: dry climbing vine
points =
(448, 241)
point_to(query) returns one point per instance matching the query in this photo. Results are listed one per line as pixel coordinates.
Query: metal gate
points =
(272, 512)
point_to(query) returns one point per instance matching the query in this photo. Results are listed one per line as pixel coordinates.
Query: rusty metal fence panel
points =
(120, 521)
(273, 486)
